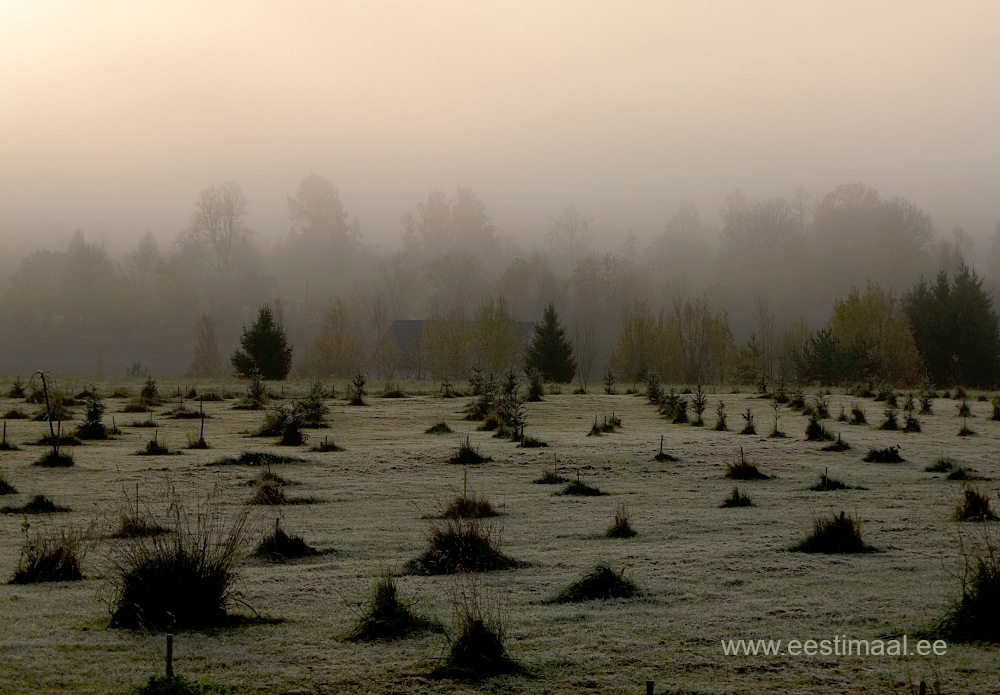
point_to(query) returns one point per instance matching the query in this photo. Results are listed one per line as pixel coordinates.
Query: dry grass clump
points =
(550, 478)
(184, 578)
(39, 504)
(466, 454)
(600, 583)
(469, 506)
(944, 464)
(388, 617)
(279, 546)
(834, 535)
(826, 483)
(179, 685)
(839, 445)
(15, 413)
(5, 487)
(737, 499)
(439, 428)
(532, 443)
(55, 459)
(663, 456)
(975, 617)
(326, 447)
(887, 455)
(580, 489)
(479, 651)
(621, 526)
(256, 458)
(51, 557)
(461, 545)
(744, 470)
(975, 506)
(154, 448)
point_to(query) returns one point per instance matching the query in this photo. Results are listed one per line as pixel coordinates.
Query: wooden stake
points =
(649, 687)
(170, 656)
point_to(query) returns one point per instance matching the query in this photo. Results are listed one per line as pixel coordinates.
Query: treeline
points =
(696, 302)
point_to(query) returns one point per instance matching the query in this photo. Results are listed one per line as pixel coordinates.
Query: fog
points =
(117, 117)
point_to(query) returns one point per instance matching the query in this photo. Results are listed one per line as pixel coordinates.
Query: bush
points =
(181, 579)
(51, 558)
(154, 448)
(891, 423)
(911, 424)
(601, 583)
(620, 525)
(387, 617)
(748, 428)
(39, 504)
(532, 443)
(720, 417)
(857, 415)
(834, 535)
(461, 545)
(815, 432)
(744, 470)
(887, 455)
(737, 499)
(975, 506)
(93, 427)
(356, 391)
(15, 413)
(439, 428)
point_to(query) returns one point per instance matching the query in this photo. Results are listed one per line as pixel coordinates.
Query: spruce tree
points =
(265, 349)
(550, 354)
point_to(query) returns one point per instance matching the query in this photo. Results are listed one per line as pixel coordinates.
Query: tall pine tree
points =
(265, 349)
(550, 354)
(956, 330)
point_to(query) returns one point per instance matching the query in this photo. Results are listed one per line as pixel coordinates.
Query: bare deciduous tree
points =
(217, 225)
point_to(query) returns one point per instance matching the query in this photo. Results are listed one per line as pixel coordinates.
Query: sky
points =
(114, 115)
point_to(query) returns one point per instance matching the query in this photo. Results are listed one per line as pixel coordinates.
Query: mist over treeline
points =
(769, 269)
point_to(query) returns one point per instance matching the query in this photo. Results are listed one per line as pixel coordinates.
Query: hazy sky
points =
(113, 115)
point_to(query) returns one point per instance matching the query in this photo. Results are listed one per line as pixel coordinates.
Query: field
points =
(706, 573)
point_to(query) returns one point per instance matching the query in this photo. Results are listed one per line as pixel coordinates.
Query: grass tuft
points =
(621, 526)
(55, 460)
(580, 489)
(737, 499)
(834, 535)
(549, 478)
(601, 583)
(461, 545)
(887, 455)
(975, 506)
(51, 558)
(39, 504)
(744, 470)
(279, 546)
(468, 455)
(439, 428)
(387, 617)
(256, 458)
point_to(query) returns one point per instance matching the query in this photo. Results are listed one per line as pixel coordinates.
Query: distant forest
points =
(836, 288)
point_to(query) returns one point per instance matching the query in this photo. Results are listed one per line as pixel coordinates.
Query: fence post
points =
(170, 656)
(649, 687)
